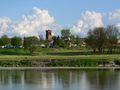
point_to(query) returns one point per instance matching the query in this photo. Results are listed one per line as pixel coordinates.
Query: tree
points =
(54, 40)
(103, 38)
(100, 36)
(31, 44)
(4, 40)
(65, 36)
(65, 33)
(77, 40)
(97, 38)
(62, 43)
(112, 34)
(16, 41)
(58, 41)
(41, 39)
(91, 40)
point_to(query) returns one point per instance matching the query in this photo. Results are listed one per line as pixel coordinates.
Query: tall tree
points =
(97, 38)
(91, 40)
(112, 34)
(100, 36)
(65, 36)
(16, 41)
(31, 43)
(58, 41)
(77, 40)
(65, 33)
(54, 40)
(4, 40)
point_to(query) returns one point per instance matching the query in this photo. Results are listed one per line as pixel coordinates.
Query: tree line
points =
(31, 43)
(104, 39)
(28, 43)
(100, 39)
(8, 42)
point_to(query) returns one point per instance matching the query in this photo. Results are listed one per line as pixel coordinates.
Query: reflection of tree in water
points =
(7, 75)
(70, 78)
(16, 76)
(4, 77)
(102, 79)
(44, 79)
(55, 78)
(62, 79)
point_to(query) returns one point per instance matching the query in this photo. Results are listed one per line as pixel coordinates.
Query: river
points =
(59, 79)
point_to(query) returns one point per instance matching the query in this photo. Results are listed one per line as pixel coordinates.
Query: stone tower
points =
(49, 35)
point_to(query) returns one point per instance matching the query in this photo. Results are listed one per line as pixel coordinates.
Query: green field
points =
(59, 54)
(52, 57)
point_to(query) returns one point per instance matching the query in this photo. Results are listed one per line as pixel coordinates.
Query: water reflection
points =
(59, 79)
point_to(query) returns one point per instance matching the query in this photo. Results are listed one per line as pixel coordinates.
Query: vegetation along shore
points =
(100, 48)
(58, 58)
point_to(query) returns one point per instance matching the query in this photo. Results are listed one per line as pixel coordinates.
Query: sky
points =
(33, 17)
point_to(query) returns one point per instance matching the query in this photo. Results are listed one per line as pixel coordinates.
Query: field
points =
(20, 54)
(55, 57)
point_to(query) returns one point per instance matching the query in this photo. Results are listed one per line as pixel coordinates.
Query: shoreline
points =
(59, 62)
(56, 68)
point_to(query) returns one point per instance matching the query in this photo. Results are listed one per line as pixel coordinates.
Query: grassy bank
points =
(59, 61)
(56, 58)
(50, 57)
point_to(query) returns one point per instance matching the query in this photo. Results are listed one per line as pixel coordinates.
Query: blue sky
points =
(39, 15)
(64, 11)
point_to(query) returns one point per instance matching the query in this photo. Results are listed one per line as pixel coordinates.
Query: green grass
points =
(6, 51)
(55, 58)
(50, 57)
(59, 54)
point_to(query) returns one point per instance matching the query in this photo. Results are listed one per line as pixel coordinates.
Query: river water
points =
(43, 79)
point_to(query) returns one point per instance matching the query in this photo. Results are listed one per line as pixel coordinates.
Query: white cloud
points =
(38, 20)
(114, 18)
(115, 15)
(33, 24)
(88, 20)
(4, 25)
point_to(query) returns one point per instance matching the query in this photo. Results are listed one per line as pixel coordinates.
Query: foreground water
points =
(59, 79)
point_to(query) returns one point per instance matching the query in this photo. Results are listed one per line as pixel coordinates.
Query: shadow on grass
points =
(79, 53)
(12, 52)
(70, 53)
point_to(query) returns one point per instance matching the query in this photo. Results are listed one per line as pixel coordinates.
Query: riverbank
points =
(58, 68)
(58, 57)
(60, 61)
(48, 57)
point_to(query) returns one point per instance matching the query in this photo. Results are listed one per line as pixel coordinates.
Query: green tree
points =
(65, 36)
(4, 40)
(97, 38)
(112, 34)
(31, 43)
(77, 40)
(100, 36)
(16, 41)
(54, 40)
(58, 41)
(62, 43)
(65, 33)
(91, 40)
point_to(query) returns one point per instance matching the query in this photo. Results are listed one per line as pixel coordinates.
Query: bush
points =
(117, 62)
(103, 62)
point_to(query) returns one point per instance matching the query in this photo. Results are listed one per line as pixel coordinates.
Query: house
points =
(118, 41)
